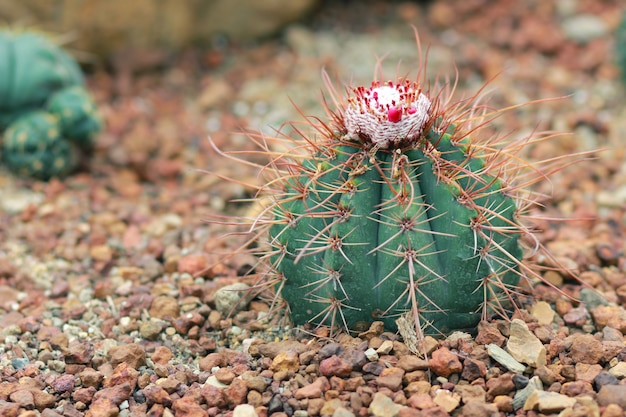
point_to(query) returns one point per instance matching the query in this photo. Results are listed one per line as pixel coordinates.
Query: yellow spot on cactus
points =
(53, 133)
(67, 112)
(37, 166)
(59, 163)
(22, 137)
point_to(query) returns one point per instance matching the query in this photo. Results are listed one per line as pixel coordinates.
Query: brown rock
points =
(164, 306)
(480, 409)
(445, 363)
(162, 355)
(585, 349)
(90, 377)
(116, 394)
(613, 410)
(79, 352)
(103, 407)
(9, 409)
(586, 372)
(188, 407)
(501, 385)
(410, 363)
(488, 333)
(274, 348)
(473, 369)
(24, 398)
(420, 401)
(575, 388)
(391, 378)
(470, 392)
(447, 400)
(122, 374)
(193, 264)
(64, 383)
(612, 394)
(286, 361)
(43, 399)
(225, 376)
(603, 313)
(84, 395)
(314, 389)
(331, 406)
(315, 406)
(156, 394)
(131, 354)
(236, 393)
(611, 349)
(213, 396)
(212, 360)
(335, 366)
(504, 403)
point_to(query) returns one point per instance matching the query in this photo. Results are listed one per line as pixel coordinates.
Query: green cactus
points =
(399, 209)
(32, 68)
(77, 115)
(395, 212)
(37, 76)
(33, 147)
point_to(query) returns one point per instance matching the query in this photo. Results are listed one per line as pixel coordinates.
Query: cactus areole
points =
(395, 210)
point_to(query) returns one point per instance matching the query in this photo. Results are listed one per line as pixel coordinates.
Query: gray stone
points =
(229, 299)
(505, 359)
(583, 28)
(521, 396)
(592, 299)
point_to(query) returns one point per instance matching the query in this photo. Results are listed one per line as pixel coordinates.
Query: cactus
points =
(32, 68)
(400, 207)
(38, 76)
(77, 115)
(33, 147)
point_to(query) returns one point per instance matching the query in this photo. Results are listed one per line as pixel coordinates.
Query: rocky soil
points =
(112, 298)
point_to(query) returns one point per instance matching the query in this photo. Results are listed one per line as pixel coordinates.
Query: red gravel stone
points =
(131, 354)
(156, 394)
(314, 389)
(84, 395)
(335, 366)
(445, 363)
(236, 393)
(501, 385)
(64, 383)
(187, 407)
(213, 396)
(194, 264)
(391, 378)
(585, 349)
(103, 407)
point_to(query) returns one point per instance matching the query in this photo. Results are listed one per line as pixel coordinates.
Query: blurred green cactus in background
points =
(33, 147)
(47, 115)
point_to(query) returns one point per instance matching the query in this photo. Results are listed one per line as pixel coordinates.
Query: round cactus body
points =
(31, 69)
(398, 210)
(370, 234)
(77, 115)
(33, 147)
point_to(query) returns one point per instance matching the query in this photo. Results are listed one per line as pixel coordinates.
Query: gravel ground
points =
(110, 279)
